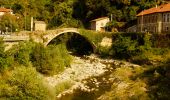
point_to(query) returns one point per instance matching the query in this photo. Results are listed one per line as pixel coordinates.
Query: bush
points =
(24, 83)
(93, 36)
(124, 47)
(6, 60)
(126, 85)
(63, 86)
(50, 60)
(104, 51)
(22, 52)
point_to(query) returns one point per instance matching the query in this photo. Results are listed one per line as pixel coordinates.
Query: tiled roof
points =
(101, 18)
(161, 8)
(5, 10)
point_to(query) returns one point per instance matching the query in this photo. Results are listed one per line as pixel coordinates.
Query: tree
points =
(9, 23)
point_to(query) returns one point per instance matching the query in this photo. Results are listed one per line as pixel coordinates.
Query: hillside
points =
(75, 13)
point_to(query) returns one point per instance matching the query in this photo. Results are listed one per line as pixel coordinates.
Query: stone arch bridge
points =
(45, 37)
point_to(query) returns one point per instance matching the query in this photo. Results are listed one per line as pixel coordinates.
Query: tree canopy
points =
(77, 13)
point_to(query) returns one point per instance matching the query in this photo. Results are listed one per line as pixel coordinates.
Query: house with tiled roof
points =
(5, 10)
(99, 24)
(154, 20)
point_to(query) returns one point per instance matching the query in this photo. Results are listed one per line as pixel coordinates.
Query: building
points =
(39, 26)
(154, 20)
(5, 10)
(99, 24)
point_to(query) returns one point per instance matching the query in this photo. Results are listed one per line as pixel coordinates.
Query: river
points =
(87, 78)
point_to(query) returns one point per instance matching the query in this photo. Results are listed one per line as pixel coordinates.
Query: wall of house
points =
(148, 23)
(166, 22)
(154, 23)
(40, 27)
(100, 24)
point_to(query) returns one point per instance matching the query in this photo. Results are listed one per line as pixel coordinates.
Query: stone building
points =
(154, 20)
(39, 26)
(99, 24)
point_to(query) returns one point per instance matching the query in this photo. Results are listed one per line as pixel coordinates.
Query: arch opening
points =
(76, 43)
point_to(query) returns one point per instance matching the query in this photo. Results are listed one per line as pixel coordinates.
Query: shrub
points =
(104, 51)
(50, 60)
(63, 86)
(6, 60)
(22, 52)
(124, 47)
(93, 36)
(25, 84)
(126, 85)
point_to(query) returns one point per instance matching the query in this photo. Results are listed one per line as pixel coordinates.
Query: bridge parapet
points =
(37, 36)
(11, 38)
(51, 34)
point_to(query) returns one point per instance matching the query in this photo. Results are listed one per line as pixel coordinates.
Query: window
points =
(167, 17)
(166, 28)
(164, 18)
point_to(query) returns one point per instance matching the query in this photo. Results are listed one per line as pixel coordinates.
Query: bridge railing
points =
(11, 38)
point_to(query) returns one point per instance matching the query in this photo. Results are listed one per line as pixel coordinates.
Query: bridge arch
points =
(75, 42)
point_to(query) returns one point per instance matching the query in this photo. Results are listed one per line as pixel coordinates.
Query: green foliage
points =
(9, 21)
(62, 86)
(128, 45)
(22, 52)
(24, 83)
(50, 60)
(93, 36)
(47, 60)
(71, 13)
(20, 81)
(126, 87)
(124, 47)
(104, 51)
(6, 60)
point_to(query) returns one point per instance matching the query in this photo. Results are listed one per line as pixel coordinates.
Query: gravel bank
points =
(84, 68)
(80, 69)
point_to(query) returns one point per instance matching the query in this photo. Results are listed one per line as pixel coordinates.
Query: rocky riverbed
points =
(86, 76)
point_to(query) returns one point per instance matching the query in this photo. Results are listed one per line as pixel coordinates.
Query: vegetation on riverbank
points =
(23, 66)
(152, 52)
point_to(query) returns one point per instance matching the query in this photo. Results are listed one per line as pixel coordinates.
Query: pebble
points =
(83, 68)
